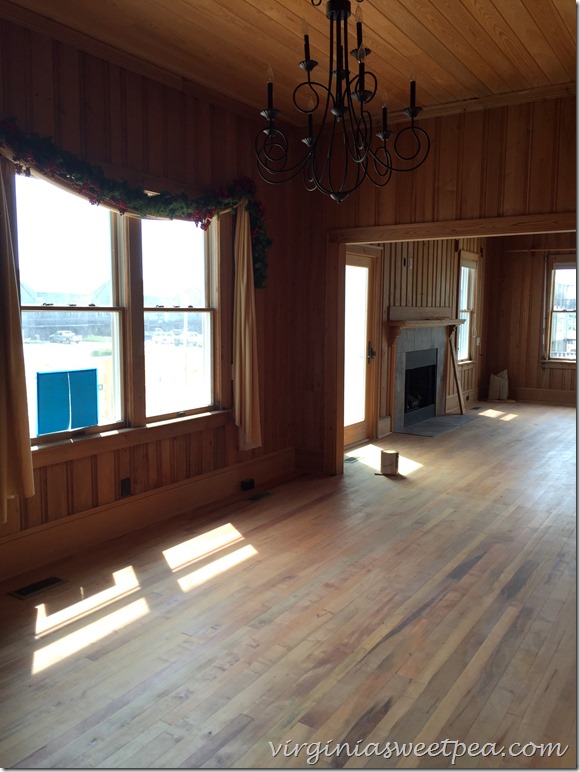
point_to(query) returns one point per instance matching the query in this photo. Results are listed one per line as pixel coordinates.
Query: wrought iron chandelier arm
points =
(420, 141)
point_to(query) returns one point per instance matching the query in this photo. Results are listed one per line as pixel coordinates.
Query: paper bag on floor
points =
(498, 386)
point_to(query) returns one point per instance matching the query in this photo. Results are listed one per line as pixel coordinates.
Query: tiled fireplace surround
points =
(412, 336)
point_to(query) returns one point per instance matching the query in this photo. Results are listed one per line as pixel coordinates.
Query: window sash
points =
(51, 346)
(561, 345)
(466, 305)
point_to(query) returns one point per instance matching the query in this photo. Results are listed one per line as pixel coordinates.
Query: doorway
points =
(361, 346)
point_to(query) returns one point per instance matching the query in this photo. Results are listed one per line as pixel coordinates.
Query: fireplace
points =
(420, 386)
(418, 361)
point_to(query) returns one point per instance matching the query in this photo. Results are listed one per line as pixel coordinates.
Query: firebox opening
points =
(420, 385)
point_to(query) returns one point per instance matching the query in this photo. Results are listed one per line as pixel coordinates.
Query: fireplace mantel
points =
(394, 326)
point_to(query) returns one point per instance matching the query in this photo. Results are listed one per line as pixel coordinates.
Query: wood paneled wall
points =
(425, 274)
(515, 315)
(421, 273)
(159, 136)
(493, 164)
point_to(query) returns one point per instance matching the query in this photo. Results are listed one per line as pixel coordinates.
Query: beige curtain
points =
(245, 348)
(16, 478)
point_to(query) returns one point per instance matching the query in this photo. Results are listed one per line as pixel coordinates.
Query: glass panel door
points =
(359, 353)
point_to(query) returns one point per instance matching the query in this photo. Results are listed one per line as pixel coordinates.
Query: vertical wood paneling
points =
(426, 179)
(154, 127)
(166, 457)
(67, 98)
(106, 478)
(57, 492)
(195, 454)
(207, 451)
(446, 159)
(565, 162)
(153, 465)
(138, 476)
(420, 273)
(541, 179)
(472, 163)
(516, 286)
(34, 508)
(82, 484)
(135, 121)
(96, 119)
(517, 158)
(42, 87)
(17, 80)
(181, 458)
(117, 117)
(176, 136)
(493, 163)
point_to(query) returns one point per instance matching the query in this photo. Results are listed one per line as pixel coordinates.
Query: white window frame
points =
(553, 265)
(465, 331)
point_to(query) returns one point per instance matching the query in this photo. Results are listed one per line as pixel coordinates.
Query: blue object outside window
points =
(67, 400)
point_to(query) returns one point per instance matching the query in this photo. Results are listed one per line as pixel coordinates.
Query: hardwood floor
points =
(437, 605)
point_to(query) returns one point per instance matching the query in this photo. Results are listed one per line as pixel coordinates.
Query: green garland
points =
(31, 151)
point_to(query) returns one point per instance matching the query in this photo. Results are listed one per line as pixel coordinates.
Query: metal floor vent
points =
(36, 587)
(350, 459)
(258, 496)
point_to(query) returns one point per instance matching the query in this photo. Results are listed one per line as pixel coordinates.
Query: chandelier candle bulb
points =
(270, 78)
(384, 114)
(412, 94)
(306, 48)
(358, 19)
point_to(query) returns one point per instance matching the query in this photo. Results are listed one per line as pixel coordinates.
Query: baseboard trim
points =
(36, 547)
(547, 396)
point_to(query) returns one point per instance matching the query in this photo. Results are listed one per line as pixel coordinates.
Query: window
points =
(98, 342)
(562, 316)
(466, 307)
(178, 343)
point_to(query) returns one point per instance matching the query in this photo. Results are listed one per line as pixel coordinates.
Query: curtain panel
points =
(16, 475)
(245, 346)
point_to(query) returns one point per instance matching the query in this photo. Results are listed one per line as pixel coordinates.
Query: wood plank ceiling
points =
(464, 54)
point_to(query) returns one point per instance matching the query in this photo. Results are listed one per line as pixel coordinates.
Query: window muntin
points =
(466, 305)
(78, 309)
(562, 337)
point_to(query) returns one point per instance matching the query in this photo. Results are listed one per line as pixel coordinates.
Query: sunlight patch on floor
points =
(501, 414)
(90, 633)
(371, 456)
(202, 546)
(126, 582)
(216, 567)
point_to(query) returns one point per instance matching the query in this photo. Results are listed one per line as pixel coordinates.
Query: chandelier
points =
(342, 146)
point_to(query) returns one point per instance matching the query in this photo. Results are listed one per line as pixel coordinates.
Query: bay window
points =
(117, 313)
